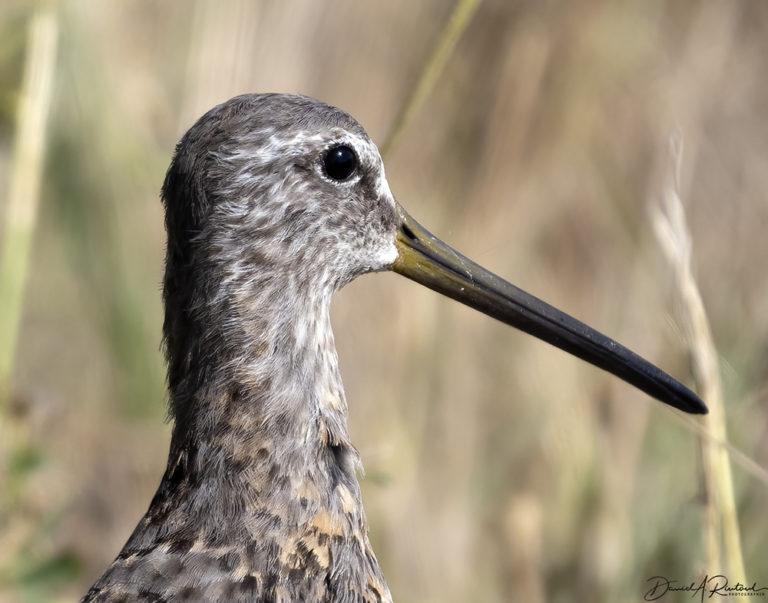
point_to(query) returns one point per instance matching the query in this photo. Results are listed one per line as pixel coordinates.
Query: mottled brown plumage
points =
(274, 202)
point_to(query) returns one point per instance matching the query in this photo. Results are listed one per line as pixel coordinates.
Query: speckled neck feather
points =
(259, 501)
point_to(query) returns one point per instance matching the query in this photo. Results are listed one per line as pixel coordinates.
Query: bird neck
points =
(257, 399)
(260, 487)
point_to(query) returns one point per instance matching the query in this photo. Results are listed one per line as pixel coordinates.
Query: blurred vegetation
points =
(497, 468)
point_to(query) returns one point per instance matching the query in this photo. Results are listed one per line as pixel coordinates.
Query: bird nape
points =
(273, 202)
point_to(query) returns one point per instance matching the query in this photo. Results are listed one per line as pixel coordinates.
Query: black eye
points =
(340, 162)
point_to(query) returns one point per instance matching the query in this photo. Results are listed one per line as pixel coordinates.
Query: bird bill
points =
(425, 259)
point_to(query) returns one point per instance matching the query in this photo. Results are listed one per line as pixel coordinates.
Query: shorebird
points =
(273, 202)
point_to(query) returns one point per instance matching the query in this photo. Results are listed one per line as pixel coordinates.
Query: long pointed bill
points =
(427, 260)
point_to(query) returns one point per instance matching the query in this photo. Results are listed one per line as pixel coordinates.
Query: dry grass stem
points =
(721, 518)
(21, 209)
(19, 226)
(434, 66)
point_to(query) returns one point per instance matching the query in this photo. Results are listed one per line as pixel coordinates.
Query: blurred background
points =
(497, 468)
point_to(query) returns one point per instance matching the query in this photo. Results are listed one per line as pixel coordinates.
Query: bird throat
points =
(261, 407)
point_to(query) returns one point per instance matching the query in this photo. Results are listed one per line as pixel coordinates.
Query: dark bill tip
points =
(425, 259)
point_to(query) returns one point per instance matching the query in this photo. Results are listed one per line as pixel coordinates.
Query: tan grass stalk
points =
(22, 201)
(15, 247)
(434, 66)
(721, 531)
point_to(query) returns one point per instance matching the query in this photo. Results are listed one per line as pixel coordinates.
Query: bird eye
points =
(340, 162)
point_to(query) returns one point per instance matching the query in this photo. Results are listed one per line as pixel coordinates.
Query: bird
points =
(273, 202)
